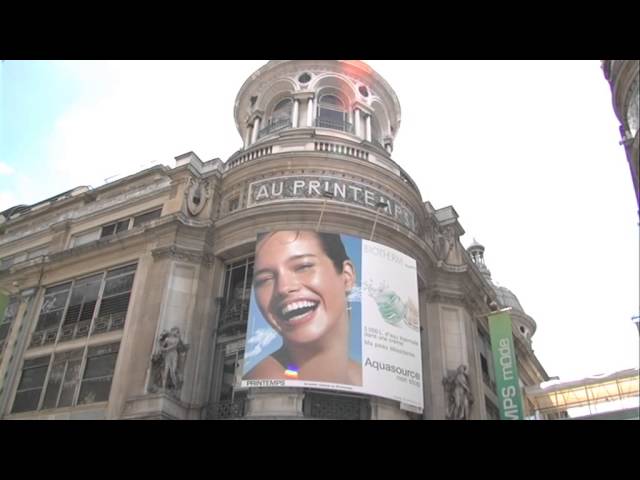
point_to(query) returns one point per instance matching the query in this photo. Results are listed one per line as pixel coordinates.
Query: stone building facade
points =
(624, 77)
(130, 301)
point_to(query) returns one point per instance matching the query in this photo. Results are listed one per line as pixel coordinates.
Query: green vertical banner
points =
(506, 366)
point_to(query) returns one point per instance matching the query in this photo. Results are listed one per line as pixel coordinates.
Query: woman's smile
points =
(297, 311)
(298, 288)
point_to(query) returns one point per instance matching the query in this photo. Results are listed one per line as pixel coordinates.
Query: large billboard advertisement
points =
(336, 312)
(506, 365)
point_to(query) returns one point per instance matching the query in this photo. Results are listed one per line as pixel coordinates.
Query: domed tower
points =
(523, 324)
(624, 77)
(319, 135)
(316, 156)
(341, 99)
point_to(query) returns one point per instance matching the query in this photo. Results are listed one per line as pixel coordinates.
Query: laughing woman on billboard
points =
(301, 283)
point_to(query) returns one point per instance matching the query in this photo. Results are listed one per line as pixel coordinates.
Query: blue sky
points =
(526, 151)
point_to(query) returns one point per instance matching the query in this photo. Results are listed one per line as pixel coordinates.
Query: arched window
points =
(332, 113)
(282, 111)
(280, 117)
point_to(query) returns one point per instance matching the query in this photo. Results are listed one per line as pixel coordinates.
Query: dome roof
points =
(475, 245)
(506, 298)
(355, 83)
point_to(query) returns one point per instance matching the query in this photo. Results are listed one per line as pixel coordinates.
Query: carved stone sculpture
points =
(459, 396)
(197, 193)
(167, 364)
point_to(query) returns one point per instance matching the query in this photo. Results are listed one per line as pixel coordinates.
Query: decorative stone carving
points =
(167, 364)
(459, 396)
(183, 255)
(446, 246)
(197, 193)
(84, 212)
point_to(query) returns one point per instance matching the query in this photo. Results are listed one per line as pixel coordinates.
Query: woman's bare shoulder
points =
(269, 368)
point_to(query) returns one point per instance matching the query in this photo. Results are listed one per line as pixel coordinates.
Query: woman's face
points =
(297, 287)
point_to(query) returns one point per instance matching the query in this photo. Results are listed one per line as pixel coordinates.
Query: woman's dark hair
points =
(334, 248)
(331, 244)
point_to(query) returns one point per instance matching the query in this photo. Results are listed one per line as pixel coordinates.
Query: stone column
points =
(256, 128)
(310, 112)
(356, 115)
(247, 137)
(294, 120)
(368, 128)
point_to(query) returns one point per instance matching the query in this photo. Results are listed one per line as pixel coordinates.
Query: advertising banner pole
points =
(506, 365)
(325, 195)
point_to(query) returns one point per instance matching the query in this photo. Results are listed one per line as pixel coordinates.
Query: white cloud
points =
(6, 169)
(150, 113)
(260, 340)
(7, 200)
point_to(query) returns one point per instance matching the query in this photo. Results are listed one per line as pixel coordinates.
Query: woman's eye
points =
(304, 267)
(262, 280)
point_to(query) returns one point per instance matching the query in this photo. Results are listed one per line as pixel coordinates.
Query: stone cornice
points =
(304, 95)
(89, 211)
(452, 268)
(450, 298)
(183, 254)
(362, 107)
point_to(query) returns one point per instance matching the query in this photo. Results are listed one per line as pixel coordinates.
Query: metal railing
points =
(275, 126)
(227, 410)
(335, 406)
(342, 126)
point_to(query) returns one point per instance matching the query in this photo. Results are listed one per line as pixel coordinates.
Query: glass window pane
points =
(331, 115)
(26, 401)
(58, 288)
(100, 366)
(49, 320)
(146, 217)
(108, 230)
(53, 386)
(121, 270)
(96, 390)
(283, 104)
(122, 225)
(104, 349)
(331, 100)
(83, 299)
(71, 379)
(37, 362)
(54, 302)
(118, 285)
(32, 377)
(114, 308)
(84, 238)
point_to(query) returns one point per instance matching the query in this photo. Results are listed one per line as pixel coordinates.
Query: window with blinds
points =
(85, 306)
